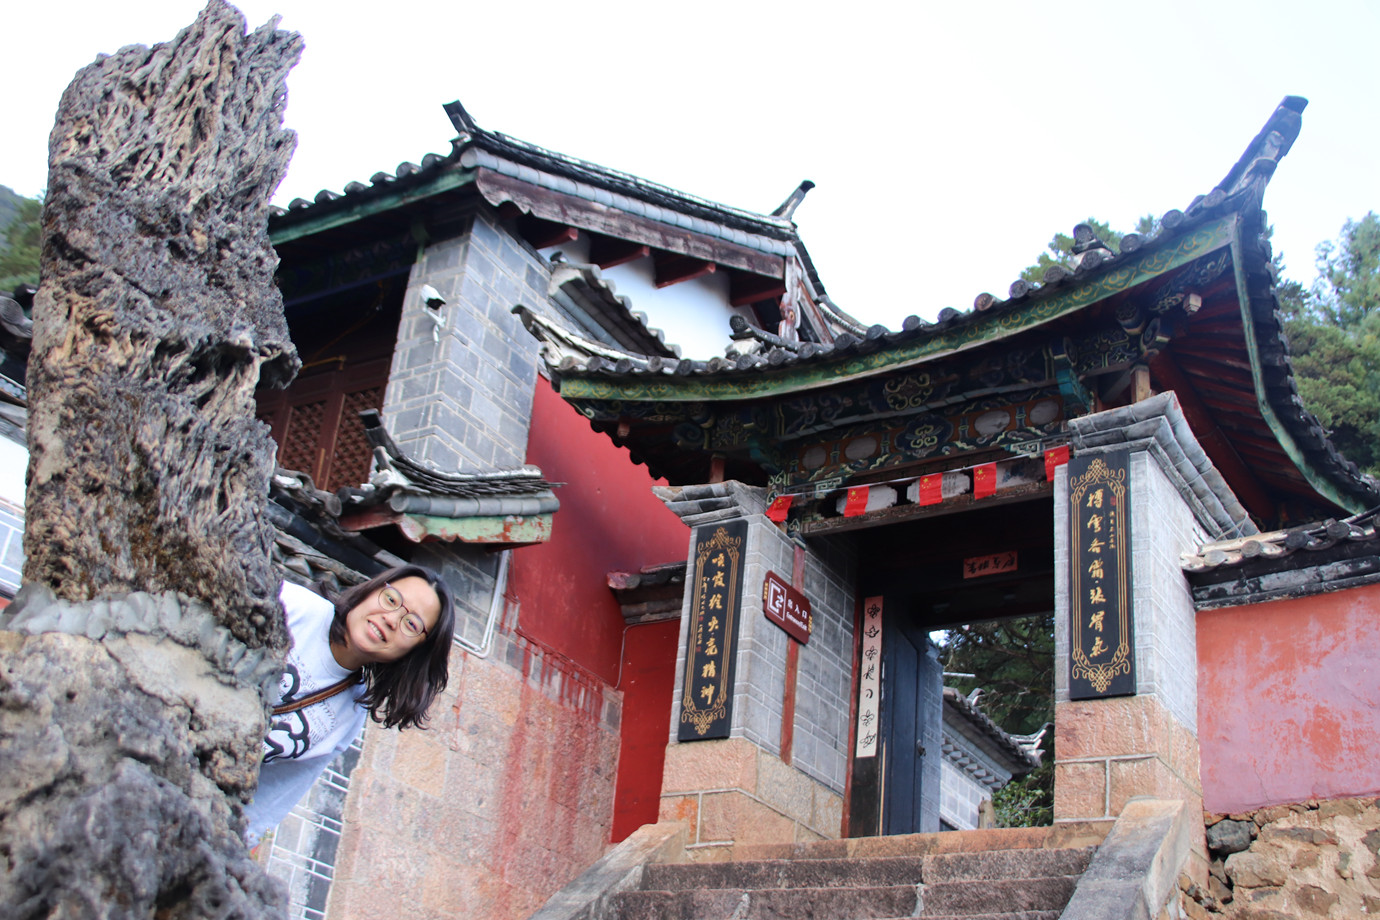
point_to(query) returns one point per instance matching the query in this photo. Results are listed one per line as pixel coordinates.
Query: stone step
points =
(990, 897)
(1014, 915)
(786, 873)
(769, 904)
(1006, 864)
(1076, 834)
(867, 872)
(997, 896)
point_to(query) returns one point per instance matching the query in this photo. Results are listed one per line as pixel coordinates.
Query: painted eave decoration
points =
(1195, 305)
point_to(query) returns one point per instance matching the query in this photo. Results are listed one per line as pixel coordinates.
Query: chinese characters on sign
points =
(1101, 647)
(787, 608)
(870, 680)
(978, 566)
(707, 700)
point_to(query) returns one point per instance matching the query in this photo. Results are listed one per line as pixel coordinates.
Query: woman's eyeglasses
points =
(410, 624)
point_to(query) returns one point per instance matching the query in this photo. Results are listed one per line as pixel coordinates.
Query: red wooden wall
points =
(609, 520)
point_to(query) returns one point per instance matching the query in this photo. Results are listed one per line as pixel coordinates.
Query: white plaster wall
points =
(14, 460)
(692, 314)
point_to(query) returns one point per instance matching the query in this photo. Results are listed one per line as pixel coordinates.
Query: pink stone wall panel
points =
(508, 797)
(1289, 700)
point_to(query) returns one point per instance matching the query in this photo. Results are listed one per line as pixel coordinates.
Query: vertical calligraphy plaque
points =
(706, 705)
(1101, 641)
(870, 679)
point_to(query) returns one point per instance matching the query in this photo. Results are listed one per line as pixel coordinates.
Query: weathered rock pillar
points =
(745, 788)
(1111, 750)
(133, 662)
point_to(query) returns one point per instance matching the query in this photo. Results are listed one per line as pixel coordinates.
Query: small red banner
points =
(779, 507)
(857, 501)
(1055, 457)
(985, 480)
(932, 489)
(787, 608)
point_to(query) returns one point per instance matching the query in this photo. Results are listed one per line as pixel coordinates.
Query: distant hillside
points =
(9, 207)
(18, 263)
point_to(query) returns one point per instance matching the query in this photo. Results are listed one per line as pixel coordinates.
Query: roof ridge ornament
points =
(787, 208)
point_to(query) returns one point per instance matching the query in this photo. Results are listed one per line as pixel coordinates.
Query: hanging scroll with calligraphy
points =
(1101, 642)
(870, 678)
(706, 705)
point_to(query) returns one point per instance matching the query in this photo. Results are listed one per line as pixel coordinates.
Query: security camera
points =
(431, 297)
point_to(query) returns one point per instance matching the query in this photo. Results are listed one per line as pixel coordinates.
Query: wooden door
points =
(912, 697)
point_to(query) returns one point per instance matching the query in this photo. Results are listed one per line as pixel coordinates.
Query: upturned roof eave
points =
(881, 351)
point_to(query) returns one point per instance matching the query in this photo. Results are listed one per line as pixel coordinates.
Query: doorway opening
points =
(967, 680)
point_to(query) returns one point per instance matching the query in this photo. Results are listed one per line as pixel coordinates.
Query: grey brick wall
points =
(931, 699)
(465, 402)
(823, 681)
(1162, 527)
(303, 847)
(471, 573)
(11, 547)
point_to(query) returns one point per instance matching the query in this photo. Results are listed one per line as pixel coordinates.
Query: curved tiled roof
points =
(1020, 759)
(1279, 435)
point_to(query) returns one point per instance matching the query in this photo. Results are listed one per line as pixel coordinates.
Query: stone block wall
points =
(1310, 859)
(465, 401)
(742, 789)
(823, 684)
(732, 794)
(1110, 751)
(506, 798)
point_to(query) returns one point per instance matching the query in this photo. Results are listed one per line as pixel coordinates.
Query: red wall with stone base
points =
(1289, 700)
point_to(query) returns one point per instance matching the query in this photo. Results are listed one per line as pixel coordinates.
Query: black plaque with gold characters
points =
(706, 705)
(1101, 643)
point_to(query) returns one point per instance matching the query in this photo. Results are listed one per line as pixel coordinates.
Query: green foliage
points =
(1061, 246)
(1013, 662)
(1028, 801)
(1334, 337)
(23, 241)
(1348, 288)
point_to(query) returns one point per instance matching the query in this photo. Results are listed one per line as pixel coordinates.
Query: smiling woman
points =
(382, 649)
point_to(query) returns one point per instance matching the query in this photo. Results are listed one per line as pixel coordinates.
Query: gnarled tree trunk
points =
(133, 662)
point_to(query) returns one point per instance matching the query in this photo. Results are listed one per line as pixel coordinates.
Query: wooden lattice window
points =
(316, 422)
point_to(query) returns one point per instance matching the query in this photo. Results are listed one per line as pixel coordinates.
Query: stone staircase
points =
(978, 875)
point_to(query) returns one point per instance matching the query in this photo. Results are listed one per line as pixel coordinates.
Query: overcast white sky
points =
(949, 142)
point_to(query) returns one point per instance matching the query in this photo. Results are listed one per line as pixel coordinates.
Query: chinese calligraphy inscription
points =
(995, 564)
(707, 700)
(870, 679)
(1102, 647)
(787, 608)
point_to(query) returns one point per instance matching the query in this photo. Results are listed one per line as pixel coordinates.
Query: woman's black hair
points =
(400, 692)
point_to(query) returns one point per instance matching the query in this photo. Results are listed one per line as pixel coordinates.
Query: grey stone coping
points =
(184, 620)
(713, 502)
(1158, 427)
(1136, 869)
